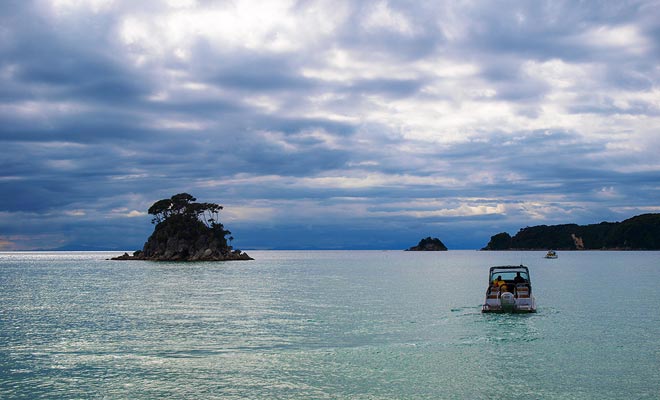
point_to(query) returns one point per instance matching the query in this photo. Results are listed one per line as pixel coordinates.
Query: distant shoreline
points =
(115, 252)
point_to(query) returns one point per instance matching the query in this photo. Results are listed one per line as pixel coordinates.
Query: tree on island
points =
(182, 204)
(187, 231)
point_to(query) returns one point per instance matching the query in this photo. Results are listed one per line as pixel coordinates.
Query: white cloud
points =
(126, 212)
(621, 38)
(608, 192)
(381, 16)
(75, 213)
(422, 209)
(276, 26)
(257, 211)
(178, 125)
(63, 7)
(182, 3)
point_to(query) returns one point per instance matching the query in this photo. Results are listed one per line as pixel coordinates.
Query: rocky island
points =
(429, 244)
(641, 232)
(186, 231)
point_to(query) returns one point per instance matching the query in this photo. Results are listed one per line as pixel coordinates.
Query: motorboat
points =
(509, 290)
(551, 254)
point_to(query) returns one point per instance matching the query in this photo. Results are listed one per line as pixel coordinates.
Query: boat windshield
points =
(509, 274)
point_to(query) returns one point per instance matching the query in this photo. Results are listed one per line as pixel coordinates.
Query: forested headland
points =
(641, 232)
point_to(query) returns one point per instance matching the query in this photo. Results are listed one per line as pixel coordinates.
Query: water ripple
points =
(322, 325)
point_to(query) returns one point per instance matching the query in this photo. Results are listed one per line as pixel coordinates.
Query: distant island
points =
(429, 244)
(641, 232)
(186, 231)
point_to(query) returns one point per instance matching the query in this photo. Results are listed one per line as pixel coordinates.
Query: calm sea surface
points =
(327, 325)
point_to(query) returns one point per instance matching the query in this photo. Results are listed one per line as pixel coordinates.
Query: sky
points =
(325, 124)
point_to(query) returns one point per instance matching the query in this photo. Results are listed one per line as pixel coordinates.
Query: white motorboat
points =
(551, 254)
(509, 290)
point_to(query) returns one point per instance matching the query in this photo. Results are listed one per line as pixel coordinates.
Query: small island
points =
(429, 244)
(186, 231)
(641, 232)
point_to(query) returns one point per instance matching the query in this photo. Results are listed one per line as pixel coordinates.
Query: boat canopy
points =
(509, 272)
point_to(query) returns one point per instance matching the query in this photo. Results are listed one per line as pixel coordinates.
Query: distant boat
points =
(551, 254)
(509, 291)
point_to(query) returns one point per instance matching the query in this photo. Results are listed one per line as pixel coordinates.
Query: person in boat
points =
(499, 283)
(519, 279)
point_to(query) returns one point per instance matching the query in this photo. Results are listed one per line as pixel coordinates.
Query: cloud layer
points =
(325, 124)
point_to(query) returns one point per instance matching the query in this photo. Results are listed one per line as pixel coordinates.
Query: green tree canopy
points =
(183, 204)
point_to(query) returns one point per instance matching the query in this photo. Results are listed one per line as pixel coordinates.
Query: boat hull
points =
(509, 291)
(507, 304)
(500, 310)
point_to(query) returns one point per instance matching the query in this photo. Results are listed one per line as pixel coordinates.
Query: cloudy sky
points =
(325, 124)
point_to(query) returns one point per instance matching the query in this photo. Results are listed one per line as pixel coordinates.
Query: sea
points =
(327, 325)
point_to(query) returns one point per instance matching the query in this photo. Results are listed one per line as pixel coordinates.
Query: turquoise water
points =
(328, 325)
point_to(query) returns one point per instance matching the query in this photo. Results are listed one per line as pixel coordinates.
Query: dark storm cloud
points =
(607, 106)
(546, 30)
(55, 61)
(387, 116)
(254, 72)
(396, 88)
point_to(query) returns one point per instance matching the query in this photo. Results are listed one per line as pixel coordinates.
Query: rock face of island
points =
(641, 232)
(429, 244)
(186, 231)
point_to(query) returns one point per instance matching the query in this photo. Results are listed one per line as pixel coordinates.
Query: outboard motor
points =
(507, 301)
